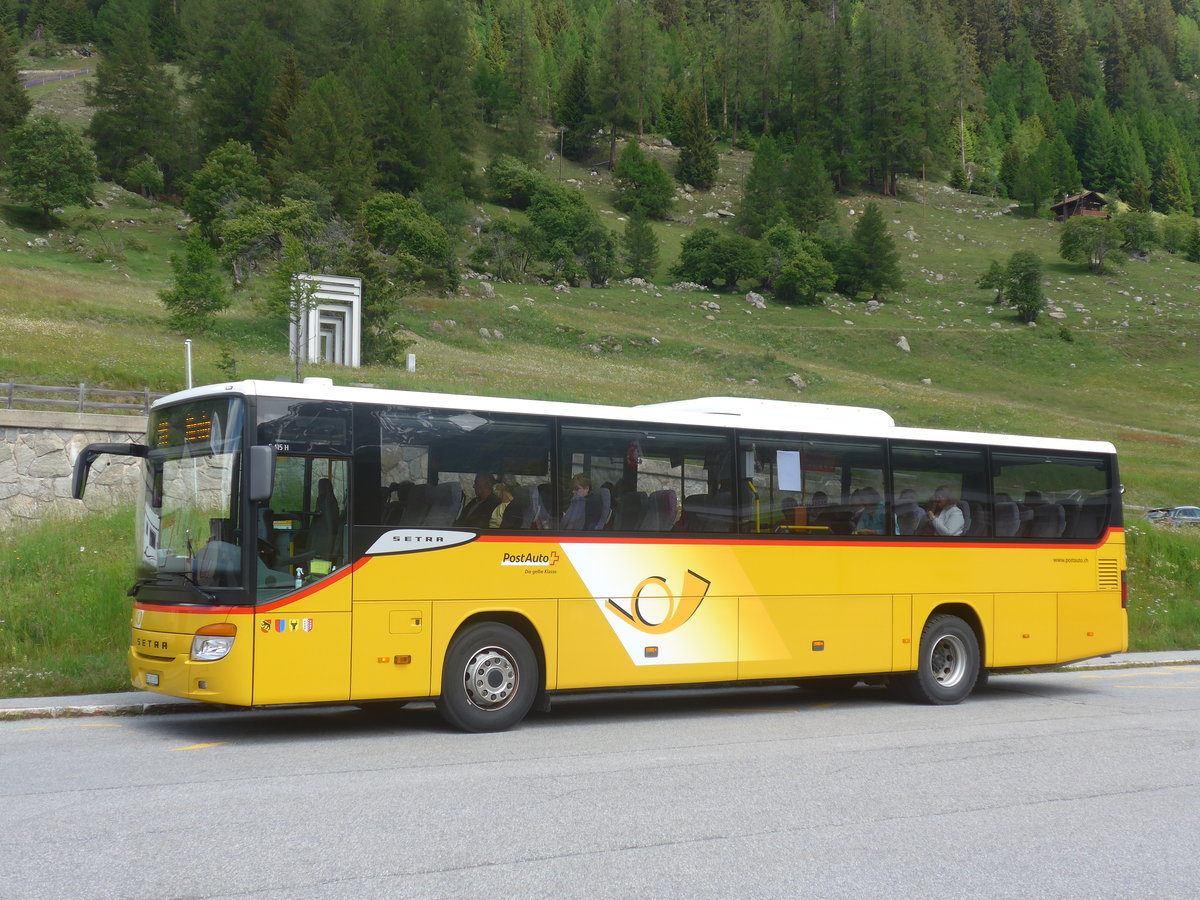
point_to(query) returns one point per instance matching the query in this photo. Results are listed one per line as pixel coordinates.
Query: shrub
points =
(512, 183)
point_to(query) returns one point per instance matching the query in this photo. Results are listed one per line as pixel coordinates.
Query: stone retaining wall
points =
(37, 457)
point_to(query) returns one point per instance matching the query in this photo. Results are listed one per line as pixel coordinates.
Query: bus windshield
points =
(189, 518)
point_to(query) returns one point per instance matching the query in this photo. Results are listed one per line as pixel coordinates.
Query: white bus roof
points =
(719, 412)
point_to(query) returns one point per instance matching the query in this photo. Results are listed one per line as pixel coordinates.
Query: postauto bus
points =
(306, 543)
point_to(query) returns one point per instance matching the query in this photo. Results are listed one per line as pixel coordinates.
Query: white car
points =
(1175, 515)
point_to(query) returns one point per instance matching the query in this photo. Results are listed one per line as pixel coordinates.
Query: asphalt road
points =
(1071, 784)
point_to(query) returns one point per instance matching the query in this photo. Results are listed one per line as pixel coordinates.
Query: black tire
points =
(489, 678)
(947, 667)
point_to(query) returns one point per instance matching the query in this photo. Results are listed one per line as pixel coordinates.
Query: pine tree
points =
(640, 245)
(14, 102)
(1139, 195)
(643, 186)
(614, 87)
(698, 163)
(889, 117)
(808, 189)
(1172, 188)
(1098, 141)
(875, 262)
(137, 107)
(1034, 180)
(382, 293)
(198, 293)
(1191, 246)
(523, 73)
(286, 92)
(763, 192)
(574, 111)
(1064, 173)
(234, 101)
(329, 143)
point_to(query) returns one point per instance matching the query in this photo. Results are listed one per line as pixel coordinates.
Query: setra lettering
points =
(419, 538)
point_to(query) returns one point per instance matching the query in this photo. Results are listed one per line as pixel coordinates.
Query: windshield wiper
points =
(160, 582)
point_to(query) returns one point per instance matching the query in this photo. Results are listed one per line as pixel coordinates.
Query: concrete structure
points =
(37, 456)
(331, 331)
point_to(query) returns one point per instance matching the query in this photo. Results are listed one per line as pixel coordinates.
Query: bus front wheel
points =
(489, 679)
(948, 664)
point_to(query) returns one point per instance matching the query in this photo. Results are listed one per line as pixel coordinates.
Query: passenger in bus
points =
(583, 506)
(509, 511)
(478, 512)
(909, 514)
(944, 515)
(817, 507)
(868, 511)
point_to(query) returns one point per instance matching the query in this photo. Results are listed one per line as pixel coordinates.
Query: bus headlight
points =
(213, 642)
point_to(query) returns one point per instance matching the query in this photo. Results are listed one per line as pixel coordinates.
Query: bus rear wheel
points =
(489, 678)
(947, 667)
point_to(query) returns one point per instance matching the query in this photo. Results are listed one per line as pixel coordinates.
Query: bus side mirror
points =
(262, 473)
(83, 463)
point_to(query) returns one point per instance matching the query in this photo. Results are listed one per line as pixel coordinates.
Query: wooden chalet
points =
(1089, 203)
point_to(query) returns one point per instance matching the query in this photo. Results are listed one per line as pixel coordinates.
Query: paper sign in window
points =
(787, 469)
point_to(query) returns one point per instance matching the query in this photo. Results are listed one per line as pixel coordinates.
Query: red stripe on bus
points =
(759, 540)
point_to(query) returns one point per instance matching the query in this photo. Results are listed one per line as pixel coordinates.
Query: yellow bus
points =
(306, 543)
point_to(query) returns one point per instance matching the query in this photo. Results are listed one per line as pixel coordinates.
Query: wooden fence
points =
(79, 398)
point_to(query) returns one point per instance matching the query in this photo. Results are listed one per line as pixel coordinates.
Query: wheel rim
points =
(948, 660)
(491, 678)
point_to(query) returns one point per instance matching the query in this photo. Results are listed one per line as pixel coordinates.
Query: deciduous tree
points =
(49, 165)
(230, 174)
(1023, 278)
(1088, 239)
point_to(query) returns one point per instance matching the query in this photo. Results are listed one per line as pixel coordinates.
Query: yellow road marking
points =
(200, 746)
(1159, 687)
(75, 725)
(1109, 675)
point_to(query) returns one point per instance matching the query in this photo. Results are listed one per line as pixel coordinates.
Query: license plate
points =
(151, 679)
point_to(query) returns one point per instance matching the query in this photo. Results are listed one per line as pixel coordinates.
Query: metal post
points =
(187, 349)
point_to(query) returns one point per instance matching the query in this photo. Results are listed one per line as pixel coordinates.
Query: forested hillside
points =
(1035, 96)
(354, 134)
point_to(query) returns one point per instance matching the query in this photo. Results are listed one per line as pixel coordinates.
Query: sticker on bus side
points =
(413, 540)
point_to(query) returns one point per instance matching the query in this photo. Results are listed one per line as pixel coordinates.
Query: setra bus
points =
(306, 543)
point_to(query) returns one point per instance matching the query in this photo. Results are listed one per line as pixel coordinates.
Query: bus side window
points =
(939, 491)
(1055, 496)
(813, 488)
